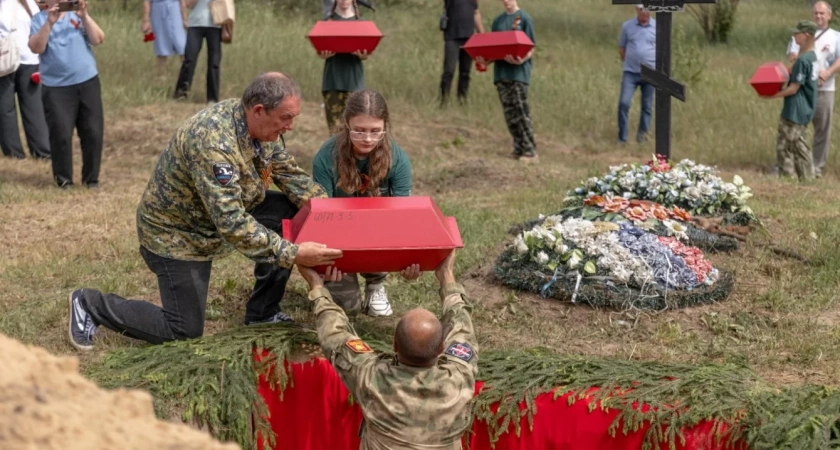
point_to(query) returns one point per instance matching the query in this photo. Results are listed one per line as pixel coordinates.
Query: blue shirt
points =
(639, 44)
(199, 15)
(68, 59)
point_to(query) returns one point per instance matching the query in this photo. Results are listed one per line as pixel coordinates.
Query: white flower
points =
(561, 248)
(706, 189)
(542, 258)
(738, 181)
(627, 181)
(591, 182)
(692, 192)
(521, 246)
(676, 229)
(574, 261)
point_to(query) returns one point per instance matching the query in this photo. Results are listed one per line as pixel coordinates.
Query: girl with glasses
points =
(363, 160)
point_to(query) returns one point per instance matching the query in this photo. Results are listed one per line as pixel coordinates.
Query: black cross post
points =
(660, 78)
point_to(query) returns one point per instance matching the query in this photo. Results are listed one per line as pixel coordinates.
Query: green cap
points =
(805, 26)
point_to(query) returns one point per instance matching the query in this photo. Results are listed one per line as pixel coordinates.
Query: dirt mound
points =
(46, 404)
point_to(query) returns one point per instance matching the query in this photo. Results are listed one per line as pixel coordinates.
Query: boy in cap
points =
(800, 99)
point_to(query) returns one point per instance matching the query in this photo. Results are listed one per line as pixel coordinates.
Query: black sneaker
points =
(81, 328)
(280, 317)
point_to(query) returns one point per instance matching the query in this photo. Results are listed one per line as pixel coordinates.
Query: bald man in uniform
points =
(417, 398)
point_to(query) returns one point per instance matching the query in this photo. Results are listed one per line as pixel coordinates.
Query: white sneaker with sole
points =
(377, 303)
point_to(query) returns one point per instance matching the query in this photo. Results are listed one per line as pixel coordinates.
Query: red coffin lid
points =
(497, 44)
(772, 72)
(374, 223)
(344, 36)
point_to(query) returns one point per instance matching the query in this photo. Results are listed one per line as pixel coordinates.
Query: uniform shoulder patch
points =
(460, 350)
(358, 346)
(224, 173)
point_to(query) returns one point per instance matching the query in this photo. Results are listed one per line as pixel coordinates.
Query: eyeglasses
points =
(361, 135)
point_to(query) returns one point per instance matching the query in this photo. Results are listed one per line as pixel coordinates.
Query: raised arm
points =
(39, 33)
(351, 357)
(95, 34)
(460, 341)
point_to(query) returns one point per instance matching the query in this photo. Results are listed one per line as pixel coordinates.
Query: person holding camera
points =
(460, 19)
(15, 16)
(63, 35)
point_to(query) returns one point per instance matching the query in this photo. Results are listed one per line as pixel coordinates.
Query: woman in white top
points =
(15, 16)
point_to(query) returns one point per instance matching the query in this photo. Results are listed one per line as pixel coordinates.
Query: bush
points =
(717, 21)
(688, 60)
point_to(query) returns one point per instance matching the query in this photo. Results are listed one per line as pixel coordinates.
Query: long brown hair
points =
(370, 103)
(355, 9)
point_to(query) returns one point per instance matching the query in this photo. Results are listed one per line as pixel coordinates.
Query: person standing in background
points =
(167, 19)
(463, 19)
(636, 46)
(200, 27)
(827, 48)
(15, 18)
(72, 92)
(344, 72)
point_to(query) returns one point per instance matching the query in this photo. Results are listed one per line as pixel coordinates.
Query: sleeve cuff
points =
(319, 292)
(452, 288)
(287, 258)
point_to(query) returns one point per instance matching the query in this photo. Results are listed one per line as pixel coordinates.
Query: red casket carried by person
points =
(498, 44)
(769, 78)
(377, 234)
(344, 36)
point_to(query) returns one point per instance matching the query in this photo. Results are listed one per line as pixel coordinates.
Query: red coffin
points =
(377, 234)
(344, 36)
(498, 44)
(769, 78)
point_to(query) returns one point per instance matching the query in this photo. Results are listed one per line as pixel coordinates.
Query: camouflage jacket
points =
(405, 407)
(196, 205)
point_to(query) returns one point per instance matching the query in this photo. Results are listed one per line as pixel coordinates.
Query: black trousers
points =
(78, 106)
(454, 55)
(183, 290)
(214, 60)
(31, 111)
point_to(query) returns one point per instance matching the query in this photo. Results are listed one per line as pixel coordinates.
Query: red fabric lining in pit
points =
(315, 414)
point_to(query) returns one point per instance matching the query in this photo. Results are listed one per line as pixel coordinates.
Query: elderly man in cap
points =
(827, 48)
(636, 46)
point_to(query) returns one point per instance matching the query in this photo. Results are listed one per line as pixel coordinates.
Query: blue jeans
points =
(629, 82)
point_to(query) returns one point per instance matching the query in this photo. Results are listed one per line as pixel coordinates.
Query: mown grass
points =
(782, 318)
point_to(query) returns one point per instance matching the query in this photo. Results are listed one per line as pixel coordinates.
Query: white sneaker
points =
(377, 303)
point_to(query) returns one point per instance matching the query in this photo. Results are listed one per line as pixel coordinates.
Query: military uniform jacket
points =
(405, 407)
(196, 205)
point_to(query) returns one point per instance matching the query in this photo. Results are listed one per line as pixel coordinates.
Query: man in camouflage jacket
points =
(419, 397)
(208, 196)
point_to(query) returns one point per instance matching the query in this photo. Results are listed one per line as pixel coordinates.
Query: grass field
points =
(782, 319)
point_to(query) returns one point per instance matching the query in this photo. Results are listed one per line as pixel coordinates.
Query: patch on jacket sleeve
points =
(358, 346)
(224, 173)
(460, 351)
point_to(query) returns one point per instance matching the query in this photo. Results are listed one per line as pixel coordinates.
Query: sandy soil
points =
(46, 404)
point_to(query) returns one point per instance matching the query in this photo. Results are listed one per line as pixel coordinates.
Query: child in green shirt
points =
(362, 160)
(343, 73)
(800, 96)
(512, 77)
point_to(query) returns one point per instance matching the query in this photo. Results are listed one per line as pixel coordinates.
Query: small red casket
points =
(377, 234)
(498, 44)
(344, 36)
(769, 78)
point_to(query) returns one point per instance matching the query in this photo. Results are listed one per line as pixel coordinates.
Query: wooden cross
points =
(660, 78)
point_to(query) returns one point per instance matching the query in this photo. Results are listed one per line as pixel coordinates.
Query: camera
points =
(72, 5)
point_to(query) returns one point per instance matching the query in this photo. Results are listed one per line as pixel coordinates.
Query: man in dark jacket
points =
(462, 19)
